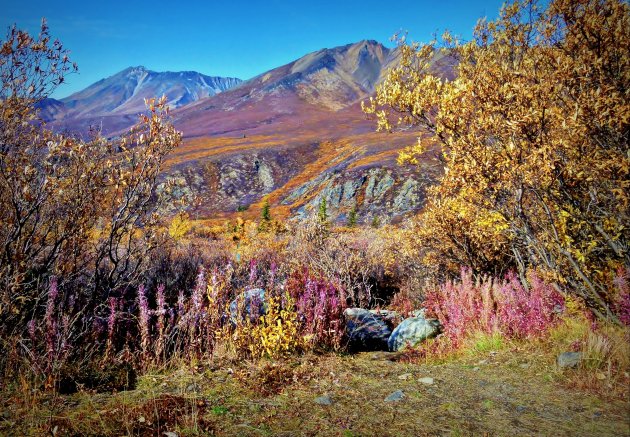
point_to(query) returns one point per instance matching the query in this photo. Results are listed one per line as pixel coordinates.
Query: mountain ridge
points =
(123, 94)
(294, 135)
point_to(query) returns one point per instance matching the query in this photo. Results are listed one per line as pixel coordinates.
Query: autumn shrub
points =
(180, 226)
(397, 250)
(319, 305)
(78, 217)
(176, 266)
(273, 335)
(345, 257)
(534, 135)
(487, 305)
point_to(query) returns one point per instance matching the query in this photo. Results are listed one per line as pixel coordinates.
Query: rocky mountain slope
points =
(294, 135)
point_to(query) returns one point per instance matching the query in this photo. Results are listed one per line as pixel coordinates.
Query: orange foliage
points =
(535, 133)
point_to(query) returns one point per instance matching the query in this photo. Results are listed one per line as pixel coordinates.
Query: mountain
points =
(293, 135)
(296, 134)
(324, 81)
(115, 101)
(50, 109)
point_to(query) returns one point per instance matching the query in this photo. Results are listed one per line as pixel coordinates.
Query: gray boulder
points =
(569, 360)
(366, 331)
(250, 303)
(324, 400)
(396, 396)
(411, 332)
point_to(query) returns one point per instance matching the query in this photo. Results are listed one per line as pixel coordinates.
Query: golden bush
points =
(534, 131)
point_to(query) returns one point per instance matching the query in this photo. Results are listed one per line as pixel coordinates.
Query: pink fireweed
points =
(160, 313)
(51, 323)
(491, 305)
(111, 325)
(144, 319)
(320, 305)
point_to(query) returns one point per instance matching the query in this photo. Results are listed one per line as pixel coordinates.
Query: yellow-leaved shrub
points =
(534, 130)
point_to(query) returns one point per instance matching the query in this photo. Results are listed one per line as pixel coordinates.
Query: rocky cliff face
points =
(385, 194)
(224, 185)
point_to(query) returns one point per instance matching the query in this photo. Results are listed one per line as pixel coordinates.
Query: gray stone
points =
(426, 380)
(369, 189)
(324, 400)
(407, 197)
(411, 332)
(396, 396)
(520, 409)
(351, 187)
(366, 331)
(334, 196)
(265, 176)
(568, 360)
(249, 303)
(384, 185)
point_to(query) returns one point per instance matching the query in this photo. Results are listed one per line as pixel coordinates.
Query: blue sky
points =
(238, 38)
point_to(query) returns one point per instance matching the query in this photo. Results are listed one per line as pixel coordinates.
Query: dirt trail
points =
(491, 394)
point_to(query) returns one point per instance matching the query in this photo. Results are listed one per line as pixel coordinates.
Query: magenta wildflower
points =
(143, 306)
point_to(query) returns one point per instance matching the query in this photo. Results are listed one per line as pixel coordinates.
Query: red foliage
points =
(320, 305)
(490, 305)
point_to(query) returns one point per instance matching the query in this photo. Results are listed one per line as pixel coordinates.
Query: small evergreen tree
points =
(266, 214)
(352, 217)
(322, 214)
(265, 217)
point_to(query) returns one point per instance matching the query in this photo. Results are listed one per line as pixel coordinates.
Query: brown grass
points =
(513, 391)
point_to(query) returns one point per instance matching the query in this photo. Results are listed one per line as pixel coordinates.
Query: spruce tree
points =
(266, 213)
(265, 217)
(322, 214)
(352, 217)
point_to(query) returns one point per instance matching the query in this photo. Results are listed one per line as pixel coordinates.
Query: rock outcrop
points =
(366, 331)
(412, 331)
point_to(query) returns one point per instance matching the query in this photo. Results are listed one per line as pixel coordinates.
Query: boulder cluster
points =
(366, 330)
(371, 330)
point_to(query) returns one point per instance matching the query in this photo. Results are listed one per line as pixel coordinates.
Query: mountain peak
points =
(132, 69)
(370, 42)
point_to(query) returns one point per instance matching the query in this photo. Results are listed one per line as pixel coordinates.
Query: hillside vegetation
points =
(132, 304)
